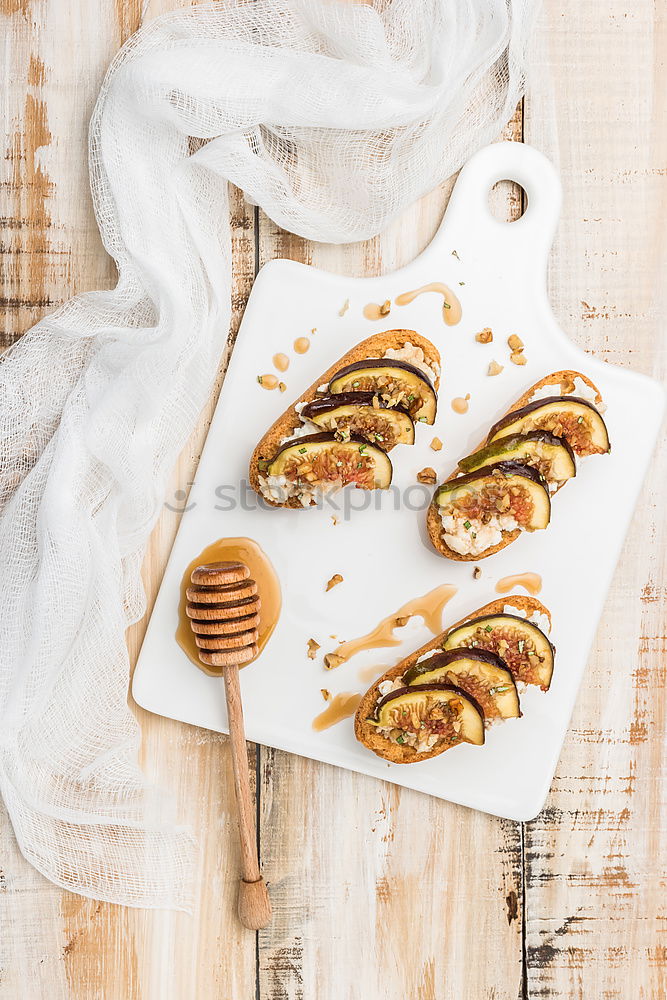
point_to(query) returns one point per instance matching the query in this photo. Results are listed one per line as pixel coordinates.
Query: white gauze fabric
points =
(331, 116)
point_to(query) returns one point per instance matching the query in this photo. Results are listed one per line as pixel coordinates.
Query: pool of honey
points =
(243, 550)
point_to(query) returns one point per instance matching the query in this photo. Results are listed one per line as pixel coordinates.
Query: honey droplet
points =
(301, 345)
(281, 362)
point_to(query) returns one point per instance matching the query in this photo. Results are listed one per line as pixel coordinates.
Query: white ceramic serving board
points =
(499, 272)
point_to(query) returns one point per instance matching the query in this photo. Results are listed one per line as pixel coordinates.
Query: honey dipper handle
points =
(254, 905)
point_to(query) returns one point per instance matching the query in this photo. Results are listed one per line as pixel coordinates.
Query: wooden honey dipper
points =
(223, 608)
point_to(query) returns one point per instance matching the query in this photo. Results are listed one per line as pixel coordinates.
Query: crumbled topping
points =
(436, 444)
(312, 649)
(345, 306)
(518, 358)
(333, 660)
(334, 581)
(414, 356)
(484, 336)
(494, 368)
(428, 476)
(402, 621)
(477, 572)
(325, 694)
(514, 343)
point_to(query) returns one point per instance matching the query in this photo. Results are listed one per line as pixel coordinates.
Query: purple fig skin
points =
(325, 403)
(536, 404)
(434, 686)
(384, 363)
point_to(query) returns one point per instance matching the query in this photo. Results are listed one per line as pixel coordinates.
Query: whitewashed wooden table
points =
(379, 892)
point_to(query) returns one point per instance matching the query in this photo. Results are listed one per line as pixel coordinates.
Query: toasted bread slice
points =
(403, 754)
(433, 522)
(372, 347)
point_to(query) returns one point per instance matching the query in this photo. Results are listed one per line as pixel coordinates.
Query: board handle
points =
(531, 236)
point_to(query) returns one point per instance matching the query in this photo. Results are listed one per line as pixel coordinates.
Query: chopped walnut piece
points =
(494, 368)
(514, 343)
(325, 694)
(333, 660)
(334, 581)
(518, 358)
(385, 308)
(312, 649)
(476, 573)
(484, 336)
(402, 622)
(436, 444)
(427, 475)
(345, 306)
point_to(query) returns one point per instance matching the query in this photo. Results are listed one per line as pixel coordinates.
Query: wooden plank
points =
(595, 858)
(55, 943)
(49, 249)
(377, 890)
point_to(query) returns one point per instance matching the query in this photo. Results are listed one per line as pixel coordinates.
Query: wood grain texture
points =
(596, 858)
(378, 891)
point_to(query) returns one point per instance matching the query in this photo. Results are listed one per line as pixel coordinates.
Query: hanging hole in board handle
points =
(532, 233)
(507, 201)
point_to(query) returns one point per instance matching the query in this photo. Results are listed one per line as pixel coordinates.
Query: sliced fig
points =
(364, 414)
(415, 714)
(575, 419)
(523, 646)
(317, 459)
(396, 383)
(479, 672)
(550, 455)
(503, 489)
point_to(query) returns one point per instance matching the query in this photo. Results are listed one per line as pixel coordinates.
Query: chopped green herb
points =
(461, 282)
(580, 420)
(378, 437)
(447, 305)
(362, 448)
(521, 644)
(360, 465)
(410, 397)
(488, 628)
(354, 385)
(473, 534)
(302, 451)
(422, 420)
(466, 524)
(259, 379)
(400, 739)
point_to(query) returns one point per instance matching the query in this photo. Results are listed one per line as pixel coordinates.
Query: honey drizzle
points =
(375, 310)
(243, 550)
(460, 403)
(341, 706)
(451, 308)
(532, 582)
(429, 607)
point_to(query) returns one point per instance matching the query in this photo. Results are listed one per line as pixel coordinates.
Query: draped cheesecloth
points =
(331, 116)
